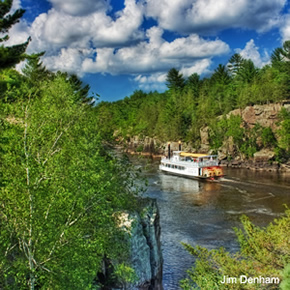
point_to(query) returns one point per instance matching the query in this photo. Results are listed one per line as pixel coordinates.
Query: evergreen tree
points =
(175, 80)
(10, 55)
(193, 83)
(34, 70)
(247, 72)
(235, 63)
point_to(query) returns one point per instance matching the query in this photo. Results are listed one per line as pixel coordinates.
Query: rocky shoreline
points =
(228, 153)
(263, 160)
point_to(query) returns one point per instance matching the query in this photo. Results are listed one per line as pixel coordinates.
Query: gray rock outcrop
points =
(143, 230)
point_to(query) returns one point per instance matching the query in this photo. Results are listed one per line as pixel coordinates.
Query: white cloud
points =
(56, 29)
(209, 16)
(16, 4)
(69, 60)
(79, 7)
(199, 67)
(155, 81)
(157, 55)
(251, 51)
(285, 28)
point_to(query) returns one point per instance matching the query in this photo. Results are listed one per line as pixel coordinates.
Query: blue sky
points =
(120, 46)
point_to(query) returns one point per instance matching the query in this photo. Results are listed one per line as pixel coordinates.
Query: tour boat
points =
(192, 165)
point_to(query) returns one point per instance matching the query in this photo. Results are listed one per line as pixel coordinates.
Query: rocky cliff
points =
(143, 232)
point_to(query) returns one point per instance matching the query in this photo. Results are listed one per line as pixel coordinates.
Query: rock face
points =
(265, 115)
(145, 248)
(145, 146)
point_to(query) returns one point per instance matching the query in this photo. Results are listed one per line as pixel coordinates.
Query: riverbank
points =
(263, 160)
(259, 136)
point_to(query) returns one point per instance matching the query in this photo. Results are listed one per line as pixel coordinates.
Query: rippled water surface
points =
(204, 213)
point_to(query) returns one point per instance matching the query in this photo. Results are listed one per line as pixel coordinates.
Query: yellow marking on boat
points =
(194, 155)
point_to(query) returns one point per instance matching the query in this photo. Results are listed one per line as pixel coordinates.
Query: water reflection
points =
(178, 184)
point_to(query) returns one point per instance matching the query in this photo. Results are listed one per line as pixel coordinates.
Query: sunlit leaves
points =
(59, 190)
(264, 252)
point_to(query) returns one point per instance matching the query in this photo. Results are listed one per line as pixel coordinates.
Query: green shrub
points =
(263, 252)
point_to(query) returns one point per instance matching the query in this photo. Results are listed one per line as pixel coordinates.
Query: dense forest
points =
(194, 103)
(60, 192)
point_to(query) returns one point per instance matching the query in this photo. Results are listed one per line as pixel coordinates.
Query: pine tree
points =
(175, 80)
(10, 55)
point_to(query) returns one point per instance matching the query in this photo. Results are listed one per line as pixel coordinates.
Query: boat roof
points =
(194, 155)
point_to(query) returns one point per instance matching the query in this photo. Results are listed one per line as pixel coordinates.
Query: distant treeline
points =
(192, 103)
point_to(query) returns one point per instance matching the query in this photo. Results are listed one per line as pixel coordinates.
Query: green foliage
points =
(268, 137)
(286, 278)
(263, 252)
(175, 80)
(226, 127)
(235, 129)
(8, 20)
(284, 131)
(249, 148)
(59, 189)
(125, 274)
(140, 148)
(235, 63)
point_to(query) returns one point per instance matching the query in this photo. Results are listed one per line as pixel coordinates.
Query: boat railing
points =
(208, 163)
(205, 163)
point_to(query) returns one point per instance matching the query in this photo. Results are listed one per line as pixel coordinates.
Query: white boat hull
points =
(204, 167)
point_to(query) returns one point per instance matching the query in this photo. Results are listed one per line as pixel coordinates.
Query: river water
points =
(204, 213)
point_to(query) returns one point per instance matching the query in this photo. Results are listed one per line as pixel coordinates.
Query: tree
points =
(281, 60)
(175, 80)
(34, 70)
(268, 138)
(247, 71)
(193, 82)
(285, 51)
(276, 56)
(284, 131)
(221, 75)
(60, 192)
(235, 63)
(9, 56)
(220, 83)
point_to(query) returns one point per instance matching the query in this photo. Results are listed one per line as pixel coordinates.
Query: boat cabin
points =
(192, 165)
(200, 160)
